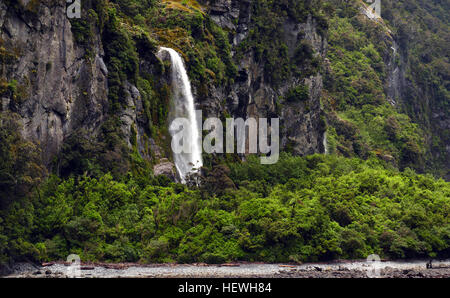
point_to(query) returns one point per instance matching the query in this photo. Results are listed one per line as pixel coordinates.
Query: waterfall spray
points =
(182, 106)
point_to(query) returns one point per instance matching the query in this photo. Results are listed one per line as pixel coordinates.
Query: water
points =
(183, 106)
(325, 144)
(393, 76)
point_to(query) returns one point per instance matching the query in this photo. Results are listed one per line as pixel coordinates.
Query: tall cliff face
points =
(61, 90)
(62, 86)
(382, 84)
(254, 95)
(56, 90)
(95, 87)
(416, 83)
(422, 30)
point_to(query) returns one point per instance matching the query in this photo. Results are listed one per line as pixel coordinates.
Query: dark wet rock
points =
(63, 91)
(253, 96)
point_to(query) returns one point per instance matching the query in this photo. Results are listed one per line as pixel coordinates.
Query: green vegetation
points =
(266, 38)
(20, 174)
(357, 67)
(131, 31)
(422, 28)
(299, 93)
(301, 209)
(20, 168)
(362, 122)
(205, 47)
(358, 53)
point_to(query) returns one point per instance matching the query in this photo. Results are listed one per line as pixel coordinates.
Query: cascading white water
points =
(182, 106)
(325, 143)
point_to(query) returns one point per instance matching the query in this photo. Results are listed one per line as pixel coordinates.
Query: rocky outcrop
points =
(393, 59)
(165, 168)
(233, 15)
(63, 88)
(252, 96)
(60, 89)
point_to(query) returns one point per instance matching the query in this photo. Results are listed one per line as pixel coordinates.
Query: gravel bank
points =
(410, 269)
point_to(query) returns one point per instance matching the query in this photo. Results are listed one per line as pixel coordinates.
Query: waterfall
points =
(325, 143)
(394, 76)
(182, 106)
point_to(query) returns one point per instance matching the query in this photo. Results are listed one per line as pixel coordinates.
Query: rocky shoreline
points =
(355, 269)
(384, 273)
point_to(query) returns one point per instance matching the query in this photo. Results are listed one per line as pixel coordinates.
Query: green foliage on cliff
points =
(422, 28)
(355, 74)
(357, 69)
(21, 170)
(301, 209)
(363, 55)
(130, 32)
(204, 45)
(365, 123)
(267, 38)
(299, 93)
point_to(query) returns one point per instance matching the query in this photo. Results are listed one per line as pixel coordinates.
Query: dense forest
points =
(301, 209)
(374, 178)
